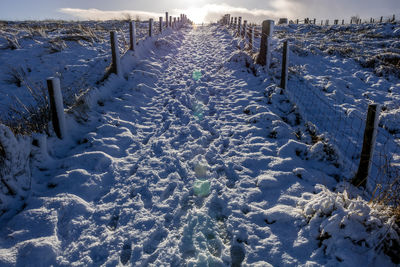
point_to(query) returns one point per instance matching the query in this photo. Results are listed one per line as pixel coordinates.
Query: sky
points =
(198, 11)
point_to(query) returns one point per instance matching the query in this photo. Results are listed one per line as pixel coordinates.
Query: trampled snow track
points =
(123, 189)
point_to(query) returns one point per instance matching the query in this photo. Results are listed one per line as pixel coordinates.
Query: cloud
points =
(273, 9)
(96, 14)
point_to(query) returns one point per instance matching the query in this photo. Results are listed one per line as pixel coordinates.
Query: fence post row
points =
(285, 65)
(56, 106)
(368, 146)
(264, 56)
(132, 35)
(116, 60)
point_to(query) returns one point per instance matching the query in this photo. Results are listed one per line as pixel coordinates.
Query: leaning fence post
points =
(116, 60)
(57, 107)
(285, 65)
(381, 20)
(132, 35)
(368, 146)
(265, 51)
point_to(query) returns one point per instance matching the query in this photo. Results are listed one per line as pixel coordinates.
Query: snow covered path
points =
(187, 164)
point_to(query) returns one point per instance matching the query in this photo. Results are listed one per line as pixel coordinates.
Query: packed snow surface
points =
(189, 161)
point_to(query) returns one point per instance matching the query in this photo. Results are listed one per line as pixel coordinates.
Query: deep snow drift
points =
(191, 161)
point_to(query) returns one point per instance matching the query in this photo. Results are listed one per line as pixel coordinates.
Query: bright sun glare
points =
(196, 14)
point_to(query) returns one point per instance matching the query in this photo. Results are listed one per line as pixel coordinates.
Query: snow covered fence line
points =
(353, 20)
(372, 160)
(15, 150)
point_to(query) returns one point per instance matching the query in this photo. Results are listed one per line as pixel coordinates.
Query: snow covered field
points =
(197, 159)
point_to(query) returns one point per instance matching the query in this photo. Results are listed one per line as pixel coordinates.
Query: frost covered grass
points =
(76, 52)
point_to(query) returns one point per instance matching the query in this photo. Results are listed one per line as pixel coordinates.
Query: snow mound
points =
(15, 175)
(242, 59)
(342, 224)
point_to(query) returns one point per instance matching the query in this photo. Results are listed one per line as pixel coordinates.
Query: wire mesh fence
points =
(341, 125)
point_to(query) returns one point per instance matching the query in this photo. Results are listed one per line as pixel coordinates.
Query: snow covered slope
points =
(192, 162)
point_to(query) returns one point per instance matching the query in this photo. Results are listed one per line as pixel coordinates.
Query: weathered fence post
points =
(315, 21)
(368, 146)
(57, 107)
(342, 21)
(132, 35)
(251, 38)
(264, 55)
(394, 18)
(234, 25)
(116, 60)
(166, 20)
(174, 25)
(231, 21)
(244, 29)
(381, 20)
(297, 21)
(161, 23)
(151, 27)
(239, 26)
(170, 21)
(285, 65)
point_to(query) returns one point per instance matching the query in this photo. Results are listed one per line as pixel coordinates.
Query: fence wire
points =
(340, 125)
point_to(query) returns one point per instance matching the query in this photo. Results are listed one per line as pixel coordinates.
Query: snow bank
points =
(343, 224)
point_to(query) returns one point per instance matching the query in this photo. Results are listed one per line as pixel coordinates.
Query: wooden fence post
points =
(174, 26)
(368, 146)
(342, 21)
(244, 29)
(264, 55)
(381, 20)
(394, 18)
(285, 65)
(239, 28)
(57, 107)
(116, 60)
(251, 38)
(161, 23)
(170, 21)
(315, 21)
(166, 20)
(231, 22)
(151, 27)
(297, 21)
(132, 35)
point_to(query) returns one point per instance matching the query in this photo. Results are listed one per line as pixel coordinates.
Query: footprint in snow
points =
(126, 253)
(113, 223)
